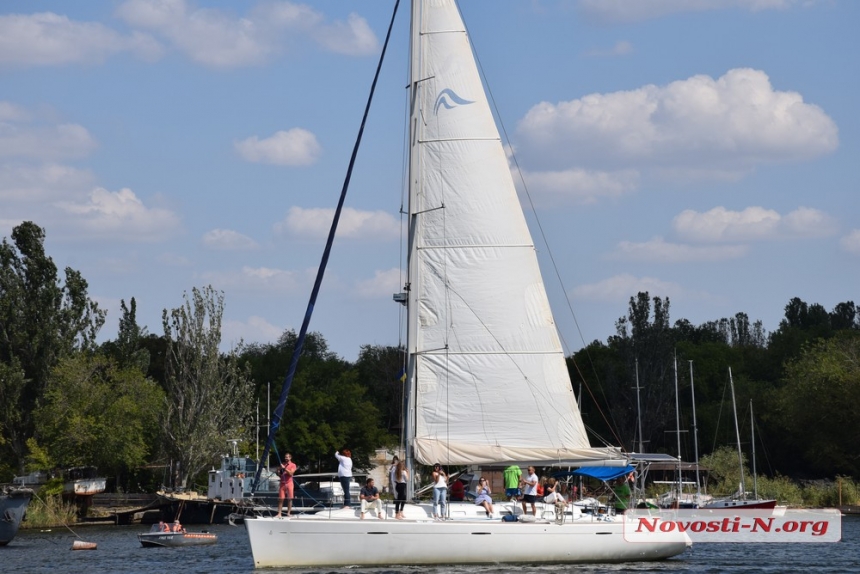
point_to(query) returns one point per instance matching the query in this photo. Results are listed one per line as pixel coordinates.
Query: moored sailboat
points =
(740, 500)
(487, 381)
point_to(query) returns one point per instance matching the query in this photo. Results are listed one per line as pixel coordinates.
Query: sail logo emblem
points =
(449, 99)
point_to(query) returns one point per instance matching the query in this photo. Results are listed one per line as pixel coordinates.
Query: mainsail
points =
(488, 377)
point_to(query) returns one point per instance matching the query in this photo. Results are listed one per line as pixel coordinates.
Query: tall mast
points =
(639, 410)
(755, 476)
(639, 420)
(678, 427)
(412, 278)
(737, 434)
(695, 433)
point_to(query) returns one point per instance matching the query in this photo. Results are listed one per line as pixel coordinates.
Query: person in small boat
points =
(285, 490)
(401, 475)
(484, 497)
(344, 473)
(530, 484)
(177, 528)
(511, 476)
(457, 491)
(552, 493)
(370, 499)
(163, 526)
(440, 492)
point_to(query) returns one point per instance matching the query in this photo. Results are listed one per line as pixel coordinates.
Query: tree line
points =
(803, 380)
(154, 410)
(159, 409)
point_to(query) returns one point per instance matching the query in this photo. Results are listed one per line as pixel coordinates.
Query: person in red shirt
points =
(458, 490)
(287, 469)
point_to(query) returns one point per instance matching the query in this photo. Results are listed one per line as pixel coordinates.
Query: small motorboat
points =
(173, 534)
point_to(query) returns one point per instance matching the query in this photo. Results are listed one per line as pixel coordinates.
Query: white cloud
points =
(120, 216)
(580, 185)
(353, 37)
(619, 288)
(253, 330)
(207, 36)
(12, 112)
(48, 39)
(383, 285)
(658, 250)
(731, 124)
(851, 242)
(808, 222)
(625, 11)
(753, 223)
(228, 240)
(257, 279)
(62, 141)
(219, 39)
(294, 147)
(37, 184)
(354, 224)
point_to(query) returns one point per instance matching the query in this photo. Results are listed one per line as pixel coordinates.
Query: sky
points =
(707, 151)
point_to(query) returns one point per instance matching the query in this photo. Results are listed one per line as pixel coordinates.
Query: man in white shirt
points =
(530, 483)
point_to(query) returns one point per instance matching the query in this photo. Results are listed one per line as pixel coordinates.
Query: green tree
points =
(41, 321)
(95, 412)
(209, 395)
(817, 404)
(645, 342)
(379, 369)
(329, 410)
(332, 404)
(845, 316)
(724, 471)
(128, 348)
(12, 384)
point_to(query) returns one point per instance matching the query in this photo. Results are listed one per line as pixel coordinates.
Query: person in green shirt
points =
(512, 480)
(622, 495)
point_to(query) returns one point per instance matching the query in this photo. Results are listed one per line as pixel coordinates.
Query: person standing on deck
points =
(440, 492)
(392, 475)
(511, 477)
(401, 475)
(344, 473)
(530, 490)
(285, 490)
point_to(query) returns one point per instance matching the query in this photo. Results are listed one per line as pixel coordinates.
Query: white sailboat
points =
(486, 376)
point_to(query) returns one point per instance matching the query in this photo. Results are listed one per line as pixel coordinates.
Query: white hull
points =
(85, 486)
(339, 538)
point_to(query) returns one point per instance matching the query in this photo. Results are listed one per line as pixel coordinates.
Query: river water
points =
(120, 552)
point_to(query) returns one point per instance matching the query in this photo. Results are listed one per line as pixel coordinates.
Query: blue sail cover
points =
(603, 473)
